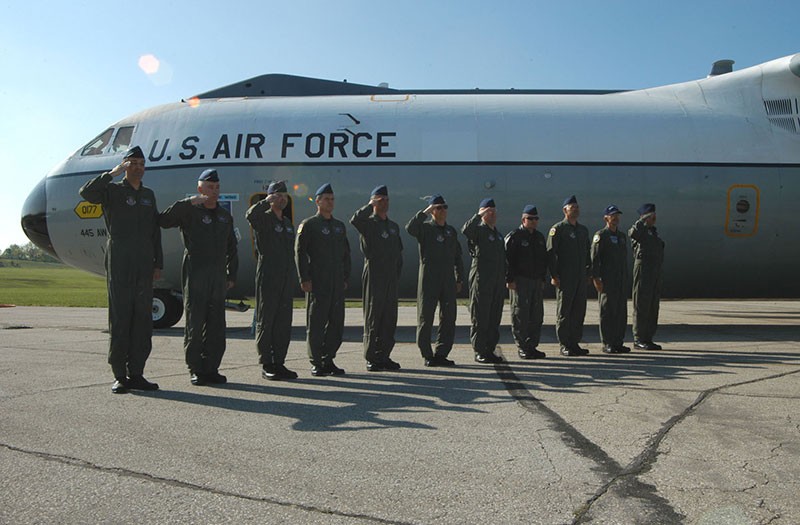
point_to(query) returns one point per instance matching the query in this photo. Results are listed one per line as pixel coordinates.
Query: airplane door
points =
(741, 218)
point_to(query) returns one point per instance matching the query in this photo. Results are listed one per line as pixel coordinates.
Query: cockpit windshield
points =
(97, 144)
(100, 144)
(123, 139)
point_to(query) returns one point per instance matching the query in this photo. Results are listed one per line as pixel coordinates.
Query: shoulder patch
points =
(300, 227)
(552, 231)
(596, 237)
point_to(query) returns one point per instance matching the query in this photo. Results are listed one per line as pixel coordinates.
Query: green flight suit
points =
(526, 256)
(323, 257)
(568, 254)
(210, 260)
(383, 261)
(275, 282)
(440, 268)
(133, 251)
(487, 284)
(648, 255)
(610, 264)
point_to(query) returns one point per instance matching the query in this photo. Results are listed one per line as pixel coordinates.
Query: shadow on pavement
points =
(671, 332)
(355, 401)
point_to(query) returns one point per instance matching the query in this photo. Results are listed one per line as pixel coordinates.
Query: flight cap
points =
(531, 210)
(209, 175)
(612, 210)
(436, 200)
(381, 190)
(487, 203)
(646, 208)
(570, 200)
(325, 188)
(134, 153)
(277, 187)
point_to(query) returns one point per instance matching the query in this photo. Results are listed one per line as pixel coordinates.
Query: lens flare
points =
(157, 70)
(300, 190)
(149, 64)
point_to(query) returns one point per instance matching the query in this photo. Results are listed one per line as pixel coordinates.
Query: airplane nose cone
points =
(34, 218)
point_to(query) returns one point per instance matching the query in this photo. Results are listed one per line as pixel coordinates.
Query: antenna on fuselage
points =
(720, 67)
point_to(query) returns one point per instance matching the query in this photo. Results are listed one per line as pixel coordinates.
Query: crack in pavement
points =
(627, 475)
(80, 463)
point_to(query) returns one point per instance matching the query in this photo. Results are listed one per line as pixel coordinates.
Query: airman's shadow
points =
(379, 400)
(672, 332)
(355, 401)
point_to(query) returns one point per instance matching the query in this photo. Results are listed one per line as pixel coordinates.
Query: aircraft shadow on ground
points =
(356, 401)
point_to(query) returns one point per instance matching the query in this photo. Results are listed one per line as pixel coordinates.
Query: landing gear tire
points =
(167, 309)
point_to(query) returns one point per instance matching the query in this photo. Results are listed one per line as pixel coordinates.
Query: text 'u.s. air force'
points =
(252, 146)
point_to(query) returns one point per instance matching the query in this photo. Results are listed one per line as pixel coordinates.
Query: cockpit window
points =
(123, 139)
(98, 144)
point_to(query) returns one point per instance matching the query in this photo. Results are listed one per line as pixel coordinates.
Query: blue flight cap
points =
(436, 200)
(134, 153)
(277, 187)
(325, 188)
(380, 190)
(487, 203)
(209, 176)
(646, 208)
(570, 200)
(530, 209)
(612, 210)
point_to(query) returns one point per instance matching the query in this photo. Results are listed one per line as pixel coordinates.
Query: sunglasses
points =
(531, 218)
(440, 207)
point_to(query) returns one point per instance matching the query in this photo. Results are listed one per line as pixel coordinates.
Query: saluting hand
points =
(199, 199)
(428, 210)
(120, 168)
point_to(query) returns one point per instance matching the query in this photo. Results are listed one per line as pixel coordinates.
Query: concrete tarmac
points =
(706, 431)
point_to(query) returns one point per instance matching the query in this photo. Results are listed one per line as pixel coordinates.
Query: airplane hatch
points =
(741, 217)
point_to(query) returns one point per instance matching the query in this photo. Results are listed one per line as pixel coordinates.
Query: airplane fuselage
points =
(720, 157)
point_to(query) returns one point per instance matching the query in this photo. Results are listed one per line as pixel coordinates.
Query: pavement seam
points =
(80, 463)
(641, 463)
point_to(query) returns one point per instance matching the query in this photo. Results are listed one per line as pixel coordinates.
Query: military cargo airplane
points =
(720, 157)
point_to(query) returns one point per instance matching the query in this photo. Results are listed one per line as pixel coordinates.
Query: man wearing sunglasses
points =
(441, 274)
(526, 253)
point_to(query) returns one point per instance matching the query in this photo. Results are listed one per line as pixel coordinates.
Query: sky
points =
(68, 70)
